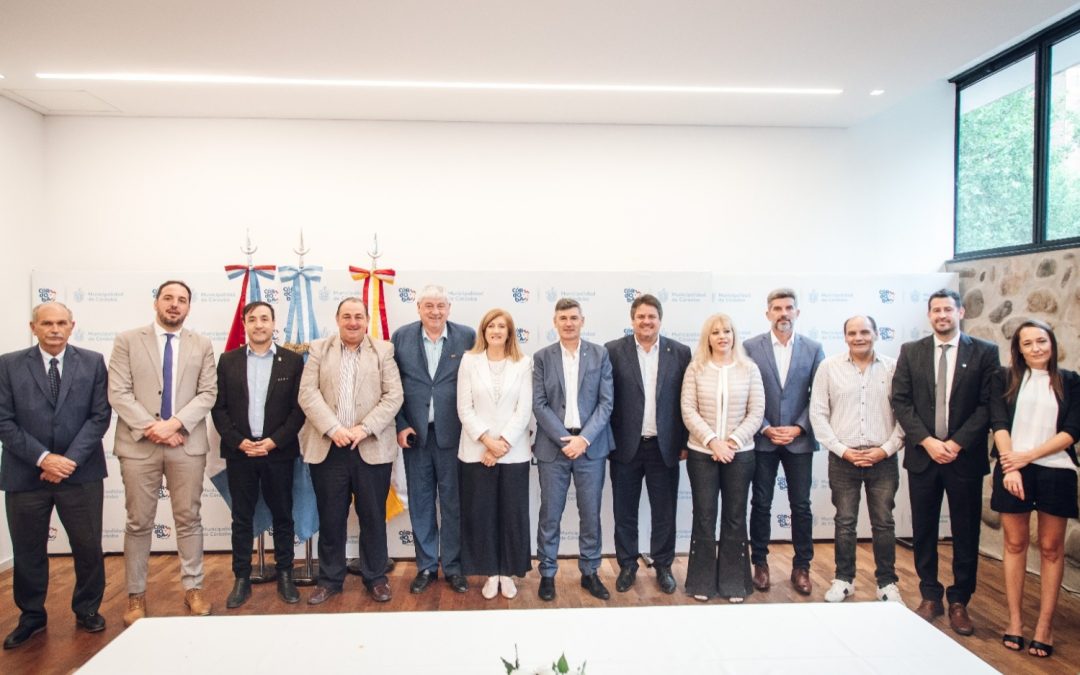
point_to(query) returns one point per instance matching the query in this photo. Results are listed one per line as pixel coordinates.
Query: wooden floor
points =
(61, 649)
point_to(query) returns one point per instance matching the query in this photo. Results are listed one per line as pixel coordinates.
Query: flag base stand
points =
(262, 574)
(308, 573)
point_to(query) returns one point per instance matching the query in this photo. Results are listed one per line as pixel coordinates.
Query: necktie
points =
(941, 422)
(166, 378)
(54, 378)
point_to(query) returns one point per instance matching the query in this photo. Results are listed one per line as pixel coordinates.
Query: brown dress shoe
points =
(136, 608)
(761, 577)
(929, 609)
(197, 605)
(381, 592)
(800, 579)
(321, 594)
(959, 619)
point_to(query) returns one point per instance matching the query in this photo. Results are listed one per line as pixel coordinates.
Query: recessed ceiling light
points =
(420, 84)
(877, 92)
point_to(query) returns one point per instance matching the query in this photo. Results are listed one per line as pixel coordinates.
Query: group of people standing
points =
(459, 405)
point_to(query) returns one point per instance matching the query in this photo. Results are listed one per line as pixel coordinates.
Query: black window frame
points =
(1039, 45)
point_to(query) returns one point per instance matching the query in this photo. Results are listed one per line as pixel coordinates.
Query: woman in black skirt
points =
(495, 405)
(1036, 419)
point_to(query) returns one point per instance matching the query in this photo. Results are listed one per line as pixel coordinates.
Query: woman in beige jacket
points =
(723, 404)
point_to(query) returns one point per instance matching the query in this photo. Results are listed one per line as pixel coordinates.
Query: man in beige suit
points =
(162, 385)
(350, 392)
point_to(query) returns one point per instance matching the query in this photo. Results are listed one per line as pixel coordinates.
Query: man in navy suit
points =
(941, 396)
(54, 410)
(428, 354)
(258, 415)
(788, 363)
(572, 400)
(650, 438)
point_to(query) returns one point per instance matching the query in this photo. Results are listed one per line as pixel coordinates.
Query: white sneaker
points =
(509, 589)
(889, 593)
(491, 588)
(839, 591)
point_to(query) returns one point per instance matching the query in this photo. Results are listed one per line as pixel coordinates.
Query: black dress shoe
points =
(286, 587)
(547, 589)
(458, 582)
(241, 591)
(91, 623)
(595, 587)
(21, 634)
(626, 579)
(665, 579)
(422, 581)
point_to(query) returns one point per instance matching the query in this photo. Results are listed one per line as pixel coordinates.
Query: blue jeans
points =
(588, 476)
(881, 481)
(797, 468)
(432, 471)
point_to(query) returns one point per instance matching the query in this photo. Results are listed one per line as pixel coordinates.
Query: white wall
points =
(21, 189)
(446, 196)
(175, 195)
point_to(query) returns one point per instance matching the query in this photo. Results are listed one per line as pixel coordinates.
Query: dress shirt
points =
(346, 394)
(46, 357)
(782, 354)
(649, 362)
(160, 332)
(570, 363)
(850, 408)
(433, 352)
(1035, 421)
(258, 383)
(950, 359)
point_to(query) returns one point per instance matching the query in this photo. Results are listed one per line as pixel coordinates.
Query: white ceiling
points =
(854, 45)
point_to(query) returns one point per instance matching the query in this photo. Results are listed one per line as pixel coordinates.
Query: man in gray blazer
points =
(572, 400)
(428, 354)
(650, 439)
(162, 385)
(54, 411)
(788, 363)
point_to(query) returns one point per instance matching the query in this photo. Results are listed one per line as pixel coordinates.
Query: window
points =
(1018, 147)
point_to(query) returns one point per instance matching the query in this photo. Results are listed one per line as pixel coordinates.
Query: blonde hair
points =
(513, 352)
(704, 350)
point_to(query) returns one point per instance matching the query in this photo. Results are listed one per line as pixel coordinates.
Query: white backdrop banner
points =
(105, 303)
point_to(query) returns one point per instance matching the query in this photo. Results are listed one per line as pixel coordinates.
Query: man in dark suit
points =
(572, 400)
(258, 416)
(788, 363)
(941, 397)
(54, 410)
(650, 438)
(428, 354)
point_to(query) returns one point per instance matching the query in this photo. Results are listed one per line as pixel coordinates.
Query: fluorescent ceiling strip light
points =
(419, 84)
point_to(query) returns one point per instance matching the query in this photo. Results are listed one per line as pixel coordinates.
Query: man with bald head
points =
(852, 418)
(54, 410)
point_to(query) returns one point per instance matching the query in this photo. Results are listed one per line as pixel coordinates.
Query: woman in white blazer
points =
(494, 400)
(723, 404)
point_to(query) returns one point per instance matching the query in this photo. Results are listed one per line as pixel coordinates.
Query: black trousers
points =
(662, 484)
(965, 506)
(495, 519)
(79, 507)
(341, 476)
(248, 477)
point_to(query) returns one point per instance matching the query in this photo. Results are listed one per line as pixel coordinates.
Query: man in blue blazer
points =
(650, 438)
(54, 410)
(428, 354)
(572, 400)
(788, 363)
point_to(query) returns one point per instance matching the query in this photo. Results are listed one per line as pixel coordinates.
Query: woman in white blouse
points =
(723, 404)
(494, 400)
(1036, 421)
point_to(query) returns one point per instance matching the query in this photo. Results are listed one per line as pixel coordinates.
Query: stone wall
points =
(1000, 294)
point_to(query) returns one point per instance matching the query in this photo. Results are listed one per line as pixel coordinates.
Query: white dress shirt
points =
(649, 362)
(1035, 421)
(782, 354)
(570, 363)
(160, 332)
(950, 359)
